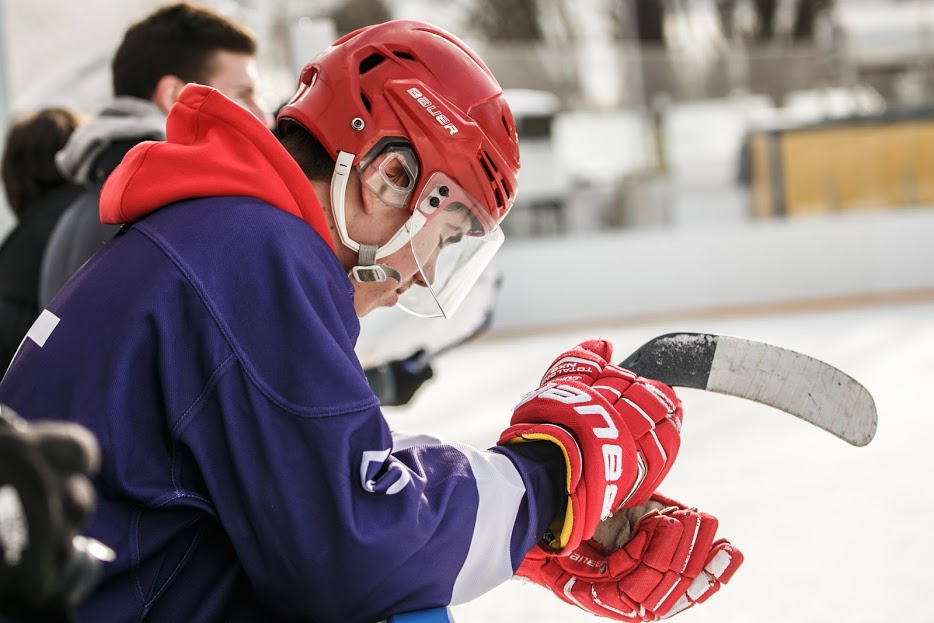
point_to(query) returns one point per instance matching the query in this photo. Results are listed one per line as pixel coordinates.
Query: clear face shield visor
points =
(451, 250)
(450, 237)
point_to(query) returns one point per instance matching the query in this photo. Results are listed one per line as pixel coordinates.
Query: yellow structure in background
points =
(849, 165)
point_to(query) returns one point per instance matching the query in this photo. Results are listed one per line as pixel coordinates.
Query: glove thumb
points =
(601, 348)
(587, 359)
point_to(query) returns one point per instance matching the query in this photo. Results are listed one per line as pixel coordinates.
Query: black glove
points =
(396, 382)
(45, 497)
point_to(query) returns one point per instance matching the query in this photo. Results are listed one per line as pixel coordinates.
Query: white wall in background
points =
(642, 272)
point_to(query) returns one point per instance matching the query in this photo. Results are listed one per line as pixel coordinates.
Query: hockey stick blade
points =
(798, 384)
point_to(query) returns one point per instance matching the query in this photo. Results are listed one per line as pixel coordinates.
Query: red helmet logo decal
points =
(433, 110)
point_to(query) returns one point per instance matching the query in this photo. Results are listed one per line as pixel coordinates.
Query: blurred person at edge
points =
(176, 44)
(248, 473)
(46, 566)
(37, 195)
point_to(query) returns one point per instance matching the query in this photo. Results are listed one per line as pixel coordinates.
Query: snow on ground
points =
(830, 532)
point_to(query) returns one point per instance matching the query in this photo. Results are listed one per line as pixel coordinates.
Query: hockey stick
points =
(798, 384)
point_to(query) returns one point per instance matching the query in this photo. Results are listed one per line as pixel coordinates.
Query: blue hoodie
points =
(248, 473)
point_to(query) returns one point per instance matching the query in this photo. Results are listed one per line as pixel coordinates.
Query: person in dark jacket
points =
(37, 194)
(175, 45)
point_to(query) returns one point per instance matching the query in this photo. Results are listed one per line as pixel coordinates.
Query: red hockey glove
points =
(619, 434)
(669, 562)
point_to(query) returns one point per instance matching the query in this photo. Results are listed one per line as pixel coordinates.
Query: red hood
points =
(213, 148)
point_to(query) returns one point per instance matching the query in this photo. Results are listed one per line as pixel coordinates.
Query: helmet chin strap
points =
(366, 270)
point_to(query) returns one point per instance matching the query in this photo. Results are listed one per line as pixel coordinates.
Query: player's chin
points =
(386, 300)
(389, 298)
(368, 299)
(402, 289)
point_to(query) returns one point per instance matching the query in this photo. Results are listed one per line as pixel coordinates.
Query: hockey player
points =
(248, 473)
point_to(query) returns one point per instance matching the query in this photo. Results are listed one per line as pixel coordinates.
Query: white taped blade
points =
(798, 384)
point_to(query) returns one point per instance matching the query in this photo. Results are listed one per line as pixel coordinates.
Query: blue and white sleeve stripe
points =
(501, 491)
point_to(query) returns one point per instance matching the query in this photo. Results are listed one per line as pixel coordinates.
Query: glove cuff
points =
(562, 532)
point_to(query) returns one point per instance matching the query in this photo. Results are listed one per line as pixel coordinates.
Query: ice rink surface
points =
(830, 532)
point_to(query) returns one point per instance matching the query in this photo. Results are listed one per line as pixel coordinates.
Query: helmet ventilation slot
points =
(496, 181)
(370, 62)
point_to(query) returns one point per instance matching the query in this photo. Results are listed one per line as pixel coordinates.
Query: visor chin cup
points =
(374, 274)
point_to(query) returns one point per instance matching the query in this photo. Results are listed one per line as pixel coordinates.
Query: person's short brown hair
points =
(315, 161)
(28, 164)
(177, 40)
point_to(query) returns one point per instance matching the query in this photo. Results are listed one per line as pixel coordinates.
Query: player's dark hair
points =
(177, 40)
(28, 164)
(308, 152)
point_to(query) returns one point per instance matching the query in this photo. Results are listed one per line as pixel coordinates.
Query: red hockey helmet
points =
(427, 125)
(413, 81)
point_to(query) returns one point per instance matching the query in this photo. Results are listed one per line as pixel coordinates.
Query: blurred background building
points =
(726, 127)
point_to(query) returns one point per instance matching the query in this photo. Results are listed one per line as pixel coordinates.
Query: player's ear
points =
(355, 186)
(167, 92)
